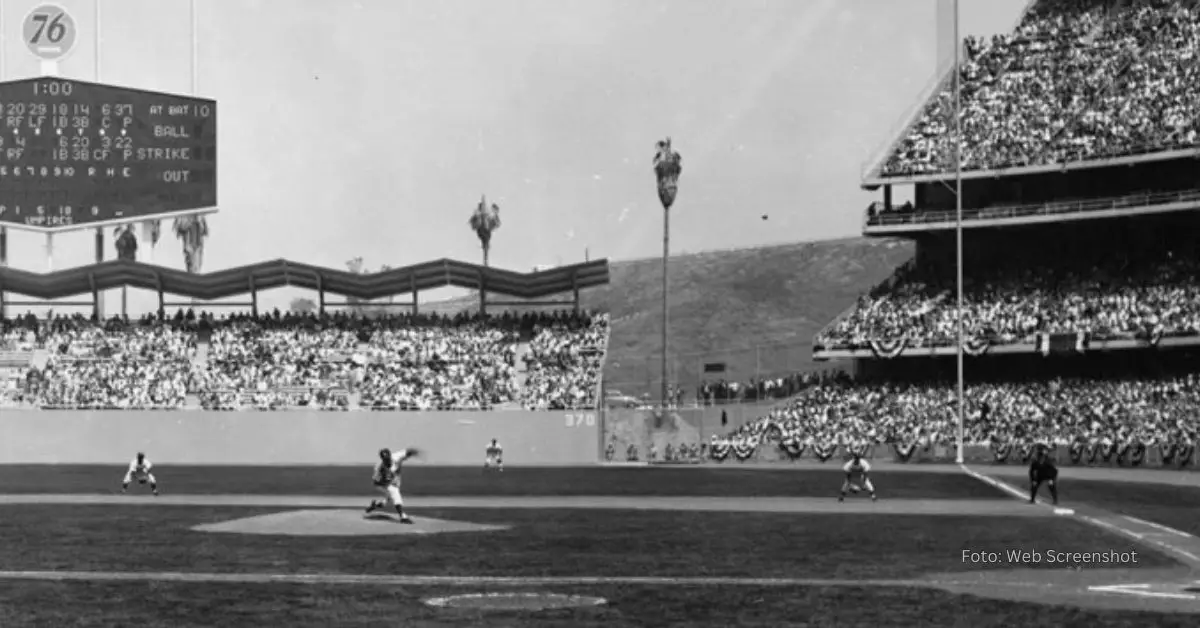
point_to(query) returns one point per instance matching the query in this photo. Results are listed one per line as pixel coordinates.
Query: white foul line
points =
(500, 581)
(1143, 538)
(1004, 486)
(418, 580)
(1113, 528)
(1142, 590)
(1097, 522)
(1158, 526)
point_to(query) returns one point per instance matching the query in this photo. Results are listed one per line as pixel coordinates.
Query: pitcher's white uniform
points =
(139, 471)
(387, 476)
(495, 455)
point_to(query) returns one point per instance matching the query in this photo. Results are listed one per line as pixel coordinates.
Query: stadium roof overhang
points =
(875, 179)
(278, 273)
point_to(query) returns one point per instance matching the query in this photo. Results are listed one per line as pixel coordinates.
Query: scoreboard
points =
(74, 153)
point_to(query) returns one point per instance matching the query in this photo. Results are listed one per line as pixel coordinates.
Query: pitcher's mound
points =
(327, 522)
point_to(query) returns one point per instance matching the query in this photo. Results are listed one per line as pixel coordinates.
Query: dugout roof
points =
(278, 273)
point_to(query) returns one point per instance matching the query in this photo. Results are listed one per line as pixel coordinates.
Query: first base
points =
(1063, 511)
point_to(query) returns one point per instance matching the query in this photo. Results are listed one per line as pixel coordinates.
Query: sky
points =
(373, 128)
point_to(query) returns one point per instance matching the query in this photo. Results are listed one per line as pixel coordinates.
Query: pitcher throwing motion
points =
(139, 469)
(387, 481)
(856, 477)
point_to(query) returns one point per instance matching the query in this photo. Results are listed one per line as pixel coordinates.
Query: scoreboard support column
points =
(99, 258)
(3, 262)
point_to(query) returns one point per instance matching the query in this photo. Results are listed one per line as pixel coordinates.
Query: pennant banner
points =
(976, 347)
(888, 348)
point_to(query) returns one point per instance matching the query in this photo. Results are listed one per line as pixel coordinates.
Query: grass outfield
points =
(709, 481)
(155, 537)
(1174, 506)
(545, 543)
(172, 605)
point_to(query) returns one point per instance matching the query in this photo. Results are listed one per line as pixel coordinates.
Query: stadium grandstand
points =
(328, 360)
(1080, 144)
(1081, 305)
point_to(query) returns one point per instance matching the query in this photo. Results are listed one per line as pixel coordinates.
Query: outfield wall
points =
(294, 437)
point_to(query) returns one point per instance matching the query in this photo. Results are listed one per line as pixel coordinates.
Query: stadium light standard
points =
(668, 165)
(958, 228)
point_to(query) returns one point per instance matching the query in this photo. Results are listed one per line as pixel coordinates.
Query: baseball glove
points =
(412, 452)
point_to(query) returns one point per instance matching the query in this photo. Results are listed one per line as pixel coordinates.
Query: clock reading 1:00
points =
(74, 153)
(49, 87)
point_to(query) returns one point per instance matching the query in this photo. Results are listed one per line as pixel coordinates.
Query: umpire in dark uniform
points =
(1041, 470)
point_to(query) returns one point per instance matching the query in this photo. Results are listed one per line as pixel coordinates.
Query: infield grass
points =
(545, 543)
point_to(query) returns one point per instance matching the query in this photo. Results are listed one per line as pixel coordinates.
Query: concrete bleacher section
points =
(1080, 319)
(279, 363)
(333, 373)
(200, 360)
(1059, 93)
(13, 366)
(16, 359)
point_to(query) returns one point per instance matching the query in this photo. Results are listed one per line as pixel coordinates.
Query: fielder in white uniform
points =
(495, 457)
(857, 477)
(387, 481)
(139, 469)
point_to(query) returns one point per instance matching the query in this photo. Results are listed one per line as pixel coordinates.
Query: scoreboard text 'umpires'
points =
(74, 153)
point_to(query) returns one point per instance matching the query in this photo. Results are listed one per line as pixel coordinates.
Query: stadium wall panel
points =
(294, 437)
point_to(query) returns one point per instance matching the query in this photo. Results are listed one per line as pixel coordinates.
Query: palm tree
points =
(126, 243)
(192, 231)
(152, 230)
(484, 222)
(127, 246)
(668, 165)
(355, 265)
(391, 297)
(302, 306)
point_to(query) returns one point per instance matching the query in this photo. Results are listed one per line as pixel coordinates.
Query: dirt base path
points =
(856, 504)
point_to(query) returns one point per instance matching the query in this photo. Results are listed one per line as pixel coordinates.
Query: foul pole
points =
(195, 47)
(958, 228)
(3, 76)
(100, 230)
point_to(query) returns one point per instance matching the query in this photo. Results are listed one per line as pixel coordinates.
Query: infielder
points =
(139, 469)
(857, 469)
(387, 481)
(495, 457)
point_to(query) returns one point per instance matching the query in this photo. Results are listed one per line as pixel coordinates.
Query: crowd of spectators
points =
(1077, 80)
(440, 364)
(274, 361)
(114, 365)
(564, 364)
(280, 360)
(1057, 412)
(721, 392)
(1004, 305)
